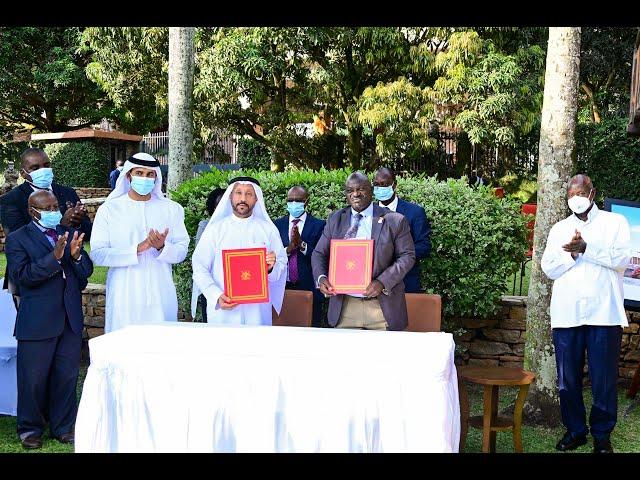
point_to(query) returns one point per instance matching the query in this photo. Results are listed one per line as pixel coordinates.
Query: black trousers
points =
(202, 301)
(602, 345)
(47, 372)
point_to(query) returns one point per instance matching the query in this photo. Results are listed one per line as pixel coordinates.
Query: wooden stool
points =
(490, 423)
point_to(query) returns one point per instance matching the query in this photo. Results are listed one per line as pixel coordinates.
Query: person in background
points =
(384, 189)
(197, 298)
(38, 176)
(300, 232)
(115, 173)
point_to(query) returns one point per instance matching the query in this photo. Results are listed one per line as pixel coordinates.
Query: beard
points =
(244, 213)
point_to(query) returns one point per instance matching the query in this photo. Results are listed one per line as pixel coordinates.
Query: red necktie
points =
(293, 258)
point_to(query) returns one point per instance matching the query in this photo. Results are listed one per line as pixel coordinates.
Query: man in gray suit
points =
(383, 305)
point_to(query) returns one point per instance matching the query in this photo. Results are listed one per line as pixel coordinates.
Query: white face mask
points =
(579, 204)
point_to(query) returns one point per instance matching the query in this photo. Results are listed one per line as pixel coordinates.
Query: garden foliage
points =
(478, 240)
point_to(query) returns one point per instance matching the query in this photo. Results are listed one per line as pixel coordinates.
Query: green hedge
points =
(610, 158)
(253, 155)
(79, 164)
(478, 240)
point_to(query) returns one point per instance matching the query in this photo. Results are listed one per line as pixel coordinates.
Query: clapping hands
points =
(576, 246)
(154, 239)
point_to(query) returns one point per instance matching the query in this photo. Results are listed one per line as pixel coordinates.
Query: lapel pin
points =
(380, 219)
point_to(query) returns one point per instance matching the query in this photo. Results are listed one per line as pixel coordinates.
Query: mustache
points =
(241, 203)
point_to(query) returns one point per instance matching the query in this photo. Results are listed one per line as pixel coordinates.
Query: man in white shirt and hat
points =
(240, 221)
(139, 234)
(585, 255)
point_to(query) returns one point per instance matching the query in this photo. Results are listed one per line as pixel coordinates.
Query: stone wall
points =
(500, 340)
(494, 341)
(84, 192)
(92, 204)
(93, 304)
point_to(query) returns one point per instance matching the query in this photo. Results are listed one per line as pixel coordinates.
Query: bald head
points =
(579, 185)
(42, 200)
(41, 197)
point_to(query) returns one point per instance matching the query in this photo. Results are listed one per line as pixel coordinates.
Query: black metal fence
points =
(222, 150)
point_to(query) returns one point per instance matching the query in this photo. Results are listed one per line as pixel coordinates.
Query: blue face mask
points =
(142, 185)
(42, 177)
(49, 219)
(383, 193)
(296, 209)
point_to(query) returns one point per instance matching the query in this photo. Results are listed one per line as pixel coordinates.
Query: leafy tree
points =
(43, 85)
(131, 65)
(605, 59)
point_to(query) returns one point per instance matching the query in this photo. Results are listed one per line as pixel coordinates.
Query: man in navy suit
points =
(38, 175)
(46, 260)
(384, 189)
(300, 233)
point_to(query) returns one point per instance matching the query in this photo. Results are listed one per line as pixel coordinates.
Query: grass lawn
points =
(9, 442)
(625, 437)
(99, 273)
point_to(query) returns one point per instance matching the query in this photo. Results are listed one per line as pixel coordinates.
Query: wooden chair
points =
(424, 311)
(297, 309)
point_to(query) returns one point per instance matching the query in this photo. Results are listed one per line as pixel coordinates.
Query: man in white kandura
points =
(139, 234)
(240, 221)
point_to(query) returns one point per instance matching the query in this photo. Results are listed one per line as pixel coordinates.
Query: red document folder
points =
(350, 265)
(245, 275)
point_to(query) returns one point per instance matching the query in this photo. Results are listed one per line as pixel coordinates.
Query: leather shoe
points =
(31, 442)
(602, 446)
(66, 438)
(569, 442)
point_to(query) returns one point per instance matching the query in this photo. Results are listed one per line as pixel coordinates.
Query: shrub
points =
(79, 164)
(610, 158)
(253, 154)
(478, 240)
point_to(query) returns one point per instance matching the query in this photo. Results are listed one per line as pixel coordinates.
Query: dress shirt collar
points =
(593, 213)
(302, 218)
(393, 206)
(367, 212)
(40, 227)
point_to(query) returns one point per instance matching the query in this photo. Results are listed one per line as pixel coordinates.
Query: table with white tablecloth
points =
(8, 355)
(188, 387)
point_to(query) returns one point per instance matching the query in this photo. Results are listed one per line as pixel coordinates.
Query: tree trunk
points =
(181, 67)
(555, 164)
(354, 147)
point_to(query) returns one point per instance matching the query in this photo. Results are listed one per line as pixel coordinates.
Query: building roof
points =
(86, 133)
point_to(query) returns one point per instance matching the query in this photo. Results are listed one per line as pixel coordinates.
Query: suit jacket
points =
(113, 178)
(311, 233)
(420, 232)
(14, 209)
(393, 256)
(46, 298)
